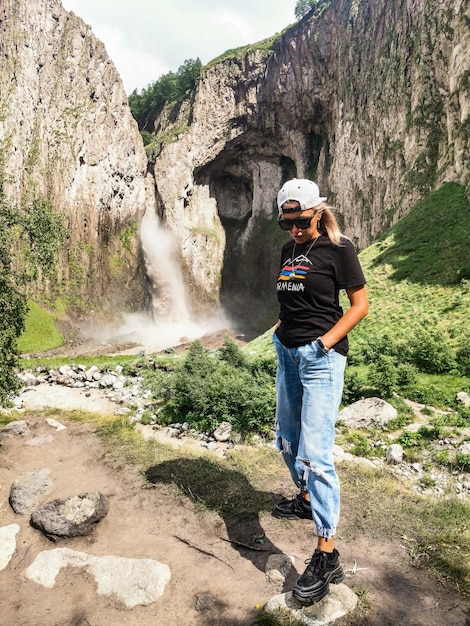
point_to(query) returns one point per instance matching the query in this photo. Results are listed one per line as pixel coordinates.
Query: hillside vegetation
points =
(415, 338)
(418, 273)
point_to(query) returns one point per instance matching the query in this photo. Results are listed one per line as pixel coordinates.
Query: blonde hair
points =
(327, 224)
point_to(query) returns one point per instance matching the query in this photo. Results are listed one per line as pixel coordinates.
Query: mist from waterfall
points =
(169, 322)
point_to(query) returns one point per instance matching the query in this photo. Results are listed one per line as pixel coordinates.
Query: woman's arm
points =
(357, 311)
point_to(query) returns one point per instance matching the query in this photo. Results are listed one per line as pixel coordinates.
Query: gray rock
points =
(20, 427)
(28, 491)
(368, 413)
(206, 602)
(394, 453)
(72, 517)
(55, 424)
(413, 428)
(340, 455)
(278, 567)
(108, 380)
(336, 604)
(464, 398)
(223, 432)
(465, 448)
(93, 373)
(28, 379)
(134, 581)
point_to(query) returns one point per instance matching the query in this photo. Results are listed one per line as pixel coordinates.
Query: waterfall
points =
(170, 322)
(169, 297)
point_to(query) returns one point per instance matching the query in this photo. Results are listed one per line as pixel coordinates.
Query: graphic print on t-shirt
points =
(295, 268)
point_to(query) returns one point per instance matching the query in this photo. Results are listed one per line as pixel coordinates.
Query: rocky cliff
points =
(67, 135)
(368, 97)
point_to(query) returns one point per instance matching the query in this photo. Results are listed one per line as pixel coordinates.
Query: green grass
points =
(40, 332)
(436, 531)
(430, 245)
(418, 273)
(235, 53)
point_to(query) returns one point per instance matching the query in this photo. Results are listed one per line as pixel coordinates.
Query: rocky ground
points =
(217, 579)
(214, 580)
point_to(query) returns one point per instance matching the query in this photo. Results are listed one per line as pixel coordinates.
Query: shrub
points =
(353, 386)
(361, 447)
(231, 354)
(409, 439)
(442, 457)
(454, 419)
(407, 374)
(168, 87)
(384, 376)
(427, 482)
(430, 432)
(207, 389)
(426, 393)
(359, 444)
(31, 234)
(463, 360)
(431, 352)
(462, 461)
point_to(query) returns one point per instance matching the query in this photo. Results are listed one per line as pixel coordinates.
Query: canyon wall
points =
(370, 98)
(67, 135)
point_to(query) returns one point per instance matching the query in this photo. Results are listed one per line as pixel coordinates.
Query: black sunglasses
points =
(301, 222)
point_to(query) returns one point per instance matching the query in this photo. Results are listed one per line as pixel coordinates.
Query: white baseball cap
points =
(301, 190)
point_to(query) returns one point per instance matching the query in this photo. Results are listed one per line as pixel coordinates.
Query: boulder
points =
(368, 413)
(28, 490)
(223, 432)
(73, 517)
(7, 543)
(464, 398)
(20, 427)
(394, 454)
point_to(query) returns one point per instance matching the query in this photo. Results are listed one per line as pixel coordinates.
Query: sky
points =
(148, 38)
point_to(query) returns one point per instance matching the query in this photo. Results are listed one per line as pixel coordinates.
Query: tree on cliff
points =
(30, 236)
(303, 7)
(171, 86)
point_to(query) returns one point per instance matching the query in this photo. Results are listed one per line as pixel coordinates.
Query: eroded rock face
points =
(67, 135)
(368, 98)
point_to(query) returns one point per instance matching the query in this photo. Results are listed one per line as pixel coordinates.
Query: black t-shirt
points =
(308, 288)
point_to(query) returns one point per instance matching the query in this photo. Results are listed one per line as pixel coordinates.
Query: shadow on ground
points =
(230, 494)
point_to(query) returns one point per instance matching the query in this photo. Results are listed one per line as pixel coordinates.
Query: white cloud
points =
(236, 22)
(147, 39)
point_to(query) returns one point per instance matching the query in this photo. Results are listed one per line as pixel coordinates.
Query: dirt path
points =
(213, 581)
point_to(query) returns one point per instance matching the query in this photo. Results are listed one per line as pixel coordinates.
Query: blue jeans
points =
(309, 386)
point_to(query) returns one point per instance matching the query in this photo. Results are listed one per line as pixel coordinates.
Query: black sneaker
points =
(323, 568)
(297, 508)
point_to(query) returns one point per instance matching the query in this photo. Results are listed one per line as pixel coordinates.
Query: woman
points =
(311, 344)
